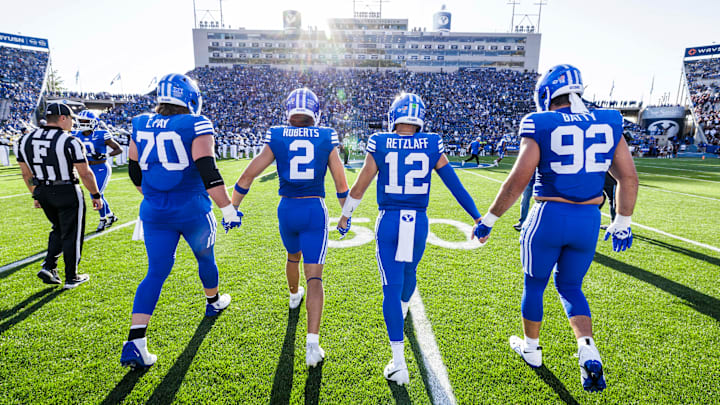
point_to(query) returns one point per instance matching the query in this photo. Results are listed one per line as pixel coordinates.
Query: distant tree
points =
(55, 82)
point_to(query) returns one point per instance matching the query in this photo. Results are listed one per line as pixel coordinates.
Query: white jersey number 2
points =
(296, 161)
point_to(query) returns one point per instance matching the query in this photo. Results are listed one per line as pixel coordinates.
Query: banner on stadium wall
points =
(669, 127)
(24, 41)
(702, 51)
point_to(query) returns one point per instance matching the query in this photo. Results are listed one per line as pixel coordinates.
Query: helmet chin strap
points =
(576, 104)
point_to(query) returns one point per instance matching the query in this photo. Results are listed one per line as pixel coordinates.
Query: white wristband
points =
(489, 220)
(350, 205)
(622, 221)
(228, 212)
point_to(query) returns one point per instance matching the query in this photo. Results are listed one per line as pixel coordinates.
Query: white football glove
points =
(622, 236)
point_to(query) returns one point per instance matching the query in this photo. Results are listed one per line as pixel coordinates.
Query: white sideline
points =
(690, 241)
(14, 195)
(438, 381)
(676, 168)
(664, 190)
(649, 228)
(40, 255)
(678, 177)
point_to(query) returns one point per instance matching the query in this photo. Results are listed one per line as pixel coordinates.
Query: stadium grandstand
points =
(703, 83)
(23, 71)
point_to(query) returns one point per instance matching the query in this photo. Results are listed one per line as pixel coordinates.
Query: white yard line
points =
(19, 263)
(14, 195)
(40, 255)
(664, 190)
(690, 241)
(677, 168)
(437, 375)
(679, 177)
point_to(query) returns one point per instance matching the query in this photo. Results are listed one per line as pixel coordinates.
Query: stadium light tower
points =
(526, 17)
(207, 12)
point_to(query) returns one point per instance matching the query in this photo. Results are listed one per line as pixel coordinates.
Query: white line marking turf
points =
(692, 242)
(438, 381)
(677, 168)
(664, 190)
(40, 255)
(679, 177)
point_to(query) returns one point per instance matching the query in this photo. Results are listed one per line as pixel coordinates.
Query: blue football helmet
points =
(408, 108)
(86, 120)
(559, 80)
(178, 89)
(304, 102)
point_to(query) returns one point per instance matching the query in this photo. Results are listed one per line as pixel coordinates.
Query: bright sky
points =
(627, 42)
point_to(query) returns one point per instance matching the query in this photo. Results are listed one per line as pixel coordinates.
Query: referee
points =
(47, 157)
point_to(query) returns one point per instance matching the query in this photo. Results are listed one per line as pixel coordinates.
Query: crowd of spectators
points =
(244, 101)
(22, 73)
(703, 77)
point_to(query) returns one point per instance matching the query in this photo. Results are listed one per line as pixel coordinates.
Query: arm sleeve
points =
(75, 151)
(268, 136)
(441, 145)
(334, 138)
(527, 127)
(107, 136)
(452, 182)
(203, 126)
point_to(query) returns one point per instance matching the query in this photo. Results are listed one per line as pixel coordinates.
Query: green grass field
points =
(656, 308)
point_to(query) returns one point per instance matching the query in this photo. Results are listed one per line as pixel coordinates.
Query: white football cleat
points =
(314, 354)
(591, 370)
(532, 357)
(217, 306)
(135, 354)
(296, 299)
(397, 373)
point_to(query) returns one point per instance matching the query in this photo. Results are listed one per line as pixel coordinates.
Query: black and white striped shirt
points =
(50, 153)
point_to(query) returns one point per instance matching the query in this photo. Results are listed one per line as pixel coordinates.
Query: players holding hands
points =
(402, 159)
(172, 164)
(569, 149)
(303, 151)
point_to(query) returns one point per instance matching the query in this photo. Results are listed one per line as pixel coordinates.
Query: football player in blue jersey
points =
(501, 148)
(172, 164)
(569, 149)
(303, 151)
(402, 159)
(96, 142)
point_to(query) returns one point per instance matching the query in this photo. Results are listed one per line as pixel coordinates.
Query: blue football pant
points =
(161, 242)
(303, 224)
(558, 238)
(398, 278)
(102, 174)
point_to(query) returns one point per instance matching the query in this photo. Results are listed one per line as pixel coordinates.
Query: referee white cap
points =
(59, 109)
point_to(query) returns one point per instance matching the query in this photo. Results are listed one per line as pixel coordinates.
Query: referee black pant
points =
(64, 206)
(474, 156)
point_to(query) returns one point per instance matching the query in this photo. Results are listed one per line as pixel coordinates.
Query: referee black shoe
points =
(49, 276)
(79, 279)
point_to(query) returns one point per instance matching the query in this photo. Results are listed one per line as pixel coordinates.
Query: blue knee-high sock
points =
(573, 300)
(207, 268)
(105, 210)
(392, 310)
(409, 283)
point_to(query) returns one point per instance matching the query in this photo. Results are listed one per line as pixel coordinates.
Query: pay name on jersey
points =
(399, 143)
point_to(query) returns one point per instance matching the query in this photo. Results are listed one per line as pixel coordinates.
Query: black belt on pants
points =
(37, 182)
